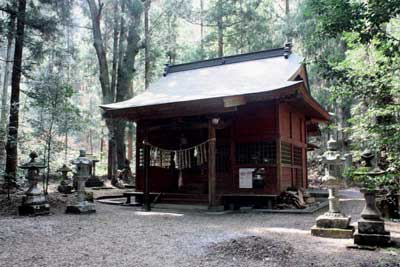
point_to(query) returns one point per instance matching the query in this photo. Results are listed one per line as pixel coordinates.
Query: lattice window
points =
(286, 153)
(297, 156)
(223, 158)
(256, 153)
(162, 159)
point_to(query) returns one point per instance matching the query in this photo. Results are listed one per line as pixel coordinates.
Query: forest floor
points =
(127, 236)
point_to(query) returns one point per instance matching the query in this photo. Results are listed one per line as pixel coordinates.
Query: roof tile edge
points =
(276, 52)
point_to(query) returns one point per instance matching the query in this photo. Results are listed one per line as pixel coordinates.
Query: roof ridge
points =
(263, 54)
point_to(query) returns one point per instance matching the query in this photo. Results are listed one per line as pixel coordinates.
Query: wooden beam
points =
(147, 204)
(278, 147)
(211, 165)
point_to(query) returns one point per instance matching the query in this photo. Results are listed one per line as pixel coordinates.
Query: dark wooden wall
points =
(292, 131)
(253, 123)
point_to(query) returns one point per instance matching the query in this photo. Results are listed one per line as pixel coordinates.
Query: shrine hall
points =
(225, 130)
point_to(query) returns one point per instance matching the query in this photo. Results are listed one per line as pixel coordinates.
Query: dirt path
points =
(126, 236)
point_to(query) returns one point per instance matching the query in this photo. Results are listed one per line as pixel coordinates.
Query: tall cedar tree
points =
(30, 21)
(12, 139)
(129, 45)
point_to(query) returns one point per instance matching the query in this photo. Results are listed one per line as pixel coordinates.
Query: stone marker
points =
(64, 187)
(34, 202)
(371, 226)
(81, 205)
(333, 223)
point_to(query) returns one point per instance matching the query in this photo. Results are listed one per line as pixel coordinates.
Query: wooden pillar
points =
(211, 165)
(278, 164)
(278, 147)
(146, 191)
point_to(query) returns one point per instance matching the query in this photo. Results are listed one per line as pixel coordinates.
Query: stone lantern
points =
(93, 180)
(371, 227)
(333, 223)
(64, 186)
(34, 202)
(83, 167)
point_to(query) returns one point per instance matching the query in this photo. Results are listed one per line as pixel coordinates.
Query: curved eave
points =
(321, 114)
(196, 107)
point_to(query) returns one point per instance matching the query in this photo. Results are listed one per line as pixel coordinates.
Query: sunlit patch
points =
(260, 230)
(351, 199)
(153, 213)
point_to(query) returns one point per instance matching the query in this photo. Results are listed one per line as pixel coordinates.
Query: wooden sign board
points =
(246, 177)
(234, 101)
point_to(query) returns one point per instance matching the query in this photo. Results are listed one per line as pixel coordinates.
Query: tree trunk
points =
(147, 44)
(287, 14)
(107, 92)
(3, 117)
(202, 29)
(111, 150)
(12, 140)
(95, 13)
(130, 142)
(172, 38)
(220, 29)
(91, 141)
(115, 49)
(66, 147)
(125, 77)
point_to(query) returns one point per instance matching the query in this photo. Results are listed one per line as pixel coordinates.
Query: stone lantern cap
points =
(32, 164)
(367, 154)
(376, 172)
(82, 159)
(64, 168)
(332, 144)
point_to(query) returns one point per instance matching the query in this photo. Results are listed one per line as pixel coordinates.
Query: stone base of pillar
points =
(372, 240)
(34, 203)
(83, 207)
(371, 233)
(332, 232)
(35, 209)
(333, 225)
(333, 220)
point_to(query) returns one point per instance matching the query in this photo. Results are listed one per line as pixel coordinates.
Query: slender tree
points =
(12, 140)
(147, 4)
(4, 111)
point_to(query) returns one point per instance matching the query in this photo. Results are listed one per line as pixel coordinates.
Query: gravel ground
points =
(126, 236)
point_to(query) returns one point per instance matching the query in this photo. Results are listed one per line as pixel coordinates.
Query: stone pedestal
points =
(80, 204)
(64, 188)
(34, 202)
(83, 207)
(371, 227)
(333, 223)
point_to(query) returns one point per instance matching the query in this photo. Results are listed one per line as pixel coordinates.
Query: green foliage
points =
(388, 181)
(52, 112)
(366, 76)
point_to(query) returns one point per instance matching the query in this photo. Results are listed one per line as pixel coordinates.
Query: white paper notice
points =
(246, 177)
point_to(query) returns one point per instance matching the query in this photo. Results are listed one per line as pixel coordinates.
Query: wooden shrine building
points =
(224, 128)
